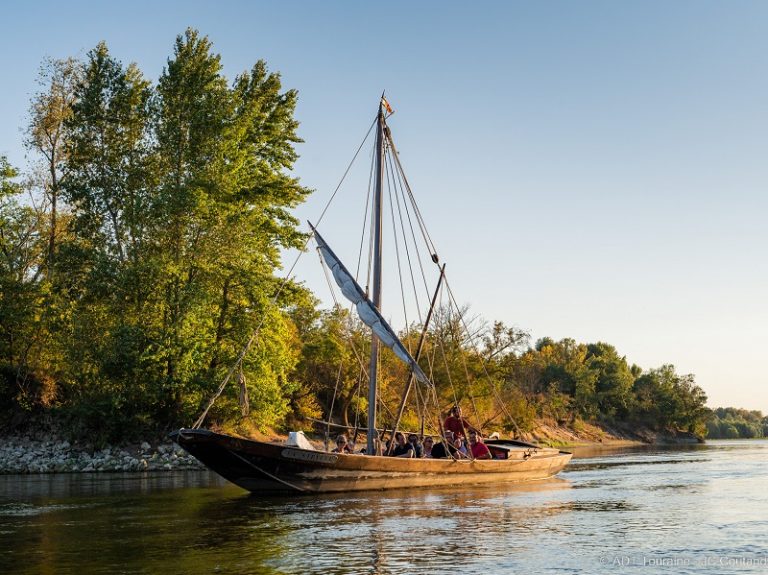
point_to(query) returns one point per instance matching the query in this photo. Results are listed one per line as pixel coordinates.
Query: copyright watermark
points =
(675, 561)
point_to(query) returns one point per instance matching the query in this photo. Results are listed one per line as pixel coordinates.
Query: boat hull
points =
(273, 469)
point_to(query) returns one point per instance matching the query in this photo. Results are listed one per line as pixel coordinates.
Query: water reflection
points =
(381, 532)
(661, 503)
(95, 484)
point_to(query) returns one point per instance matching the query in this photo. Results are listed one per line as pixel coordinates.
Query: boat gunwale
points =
(361, 462)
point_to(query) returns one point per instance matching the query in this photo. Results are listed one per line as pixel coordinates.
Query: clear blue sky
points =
(594, 170)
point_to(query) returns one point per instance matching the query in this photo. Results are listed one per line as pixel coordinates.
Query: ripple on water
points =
(31, 510)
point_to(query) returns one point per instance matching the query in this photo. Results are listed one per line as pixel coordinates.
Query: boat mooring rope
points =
(267, 473)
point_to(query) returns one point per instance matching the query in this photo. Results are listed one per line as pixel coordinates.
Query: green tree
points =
(224, 200)
(333, 346)
(17, 247)
(667, 400)
(107, 176)
(103, 263)
(565, 370)
(21, 297)
(613, 387)
(731, 423)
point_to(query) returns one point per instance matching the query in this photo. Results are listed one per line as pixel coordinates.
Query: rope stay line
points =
(401, 185)
(396, 178)
(399, 263)
(484, 364)
(412, 202)
(427, 239)
(398, 187)
(406, 245)
(365, 220)
(421, 404)
(341, 360)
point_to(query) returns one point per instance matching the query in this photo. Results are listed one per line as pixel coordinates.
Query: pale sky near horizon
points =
(593, 170)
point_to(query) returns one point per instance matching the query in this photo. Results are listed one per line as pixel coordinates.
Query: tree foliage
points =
(176, 198)
(733, 423)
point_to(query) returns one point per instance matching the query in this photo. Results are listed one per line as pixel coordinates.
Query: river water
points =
(702, 509)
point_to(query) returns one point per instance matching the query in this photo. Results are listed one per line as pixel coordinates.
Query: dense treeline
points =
(563, 381)
(733, 423)
(140, 251)
(146, 256)
(594, 383)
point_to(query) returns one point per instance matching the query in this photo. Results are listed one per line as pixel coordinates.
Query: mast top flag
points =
(386, 106)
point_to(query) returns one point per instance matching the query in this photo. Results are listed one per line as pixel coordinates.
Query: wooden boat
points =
(272, 469)
(269, 468)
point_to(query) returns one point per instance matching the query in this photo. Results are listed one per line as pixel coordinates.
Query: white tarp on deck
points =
(297, 439)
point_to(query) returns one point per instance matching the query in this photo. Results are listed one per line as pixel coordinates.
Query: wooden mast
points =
(376, 299)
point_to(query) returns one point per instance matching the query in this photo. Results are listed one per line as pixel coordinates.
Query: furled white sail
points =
(365, 309)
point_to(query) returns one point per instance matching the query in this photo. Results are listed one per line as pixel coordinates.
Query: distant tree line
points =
(592, 382)
(733, 423)
(141, 250)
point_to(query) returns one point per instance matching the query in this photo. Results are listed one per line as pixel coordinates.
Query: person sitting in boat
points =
(342, 445)
(439, 450)
(479, 449)
(460, 446)
(418, 448)
(402, 447)
(456, 423)
(427, 445)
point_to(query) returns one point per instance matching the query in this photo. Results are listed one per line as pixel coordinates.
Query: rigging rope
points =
(360, 376)
(420, 219)
(485, 369)
(341, 360)
(440, 341)
(413, 234)
(398, 185)
(365, 220)
(397, 181)
(406, 188)
(399, 263)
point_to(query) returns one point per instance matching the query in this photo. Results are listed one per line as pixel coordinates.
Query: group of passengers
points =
(453, 444)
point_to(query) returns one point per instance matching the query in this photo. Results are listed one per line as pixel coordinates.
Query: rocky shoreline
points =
(24, 455)
(45, 453)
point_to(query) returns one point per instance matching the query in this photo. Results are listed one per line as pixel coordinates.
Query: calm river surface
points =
(695, 510)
